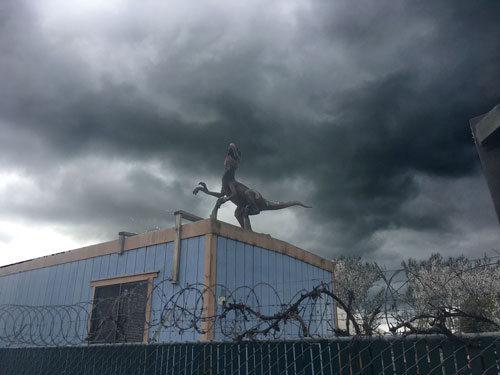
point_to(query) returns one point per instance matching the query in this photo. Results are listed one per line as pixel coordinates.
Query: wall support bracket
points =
(179, 215)
(121, 240)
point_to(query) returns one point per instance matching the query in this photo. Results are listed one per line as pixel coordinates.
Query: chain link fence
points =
(479, 354)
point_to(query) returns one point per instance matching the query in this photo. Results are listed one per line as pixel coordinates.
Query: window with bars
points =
(120, 309)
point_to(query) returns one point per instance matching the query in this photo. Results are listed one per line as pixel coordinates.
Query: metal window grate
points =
(119, 313)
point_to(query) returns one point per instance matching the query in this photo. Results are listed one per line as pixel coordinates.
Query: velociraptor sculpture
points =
(247, 201)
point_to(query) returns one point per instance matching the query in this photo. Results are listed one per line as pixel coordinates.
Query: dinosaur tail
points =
(270, 205)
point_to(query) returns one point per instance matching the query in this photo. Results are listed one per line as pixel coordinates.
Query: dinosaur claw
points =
(203, 186)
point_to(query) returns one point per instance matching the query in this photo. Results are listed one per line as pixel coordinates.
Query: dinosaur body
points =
(248, 201)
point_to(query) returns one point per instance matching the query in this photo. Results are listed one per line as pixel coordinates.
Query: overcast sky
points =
(112, 111)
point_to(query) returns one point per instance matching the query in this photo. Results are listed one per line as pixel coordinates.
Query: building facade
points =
(161, 286)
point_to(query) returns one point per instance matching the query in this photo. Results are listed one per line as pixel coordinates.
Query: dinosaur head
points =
(233, 156)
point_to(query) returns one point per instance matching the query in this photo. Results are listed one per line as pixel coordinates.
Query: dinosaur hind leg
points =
(252, 208)
(213, 215)
(253, 199)
(247, 211)
(238, 214)
(246, 224)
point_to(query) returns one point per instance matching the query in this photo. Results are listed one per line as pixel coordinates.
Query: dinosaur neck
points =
(229, 174)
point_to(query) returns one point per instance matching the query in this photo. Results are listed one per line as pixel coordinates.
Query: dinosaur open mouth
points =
(232, 158)
(231, 154)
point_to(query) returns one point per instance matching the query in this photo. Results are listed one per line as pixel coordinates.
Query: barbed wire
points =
(237, 313)
(240, 313)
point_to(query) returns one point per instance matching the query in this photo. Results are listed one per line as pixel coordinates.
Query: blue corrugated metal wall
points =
(241, 264)
(270, 279)
(69, 283)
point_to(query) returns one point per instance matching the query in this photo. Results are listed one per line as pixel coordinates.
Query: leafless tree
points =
(451, 295)
(355, 283)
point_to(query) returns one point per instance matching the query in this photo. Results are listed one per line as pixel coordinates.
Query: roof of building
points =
(197, 228)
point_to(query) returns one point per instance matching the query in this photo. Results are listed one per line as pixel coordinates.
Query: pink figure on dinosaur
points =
(247, 201)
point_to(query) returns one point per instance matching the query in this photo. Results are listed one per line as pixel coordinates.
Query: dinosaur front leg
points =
(203, 188)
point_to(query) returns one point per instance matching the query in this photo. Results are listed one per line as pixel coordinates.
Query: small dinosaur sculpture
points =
(247, 201)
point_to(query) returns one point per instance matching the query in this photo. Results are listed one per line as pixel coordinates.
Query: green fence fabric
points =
(372, 356)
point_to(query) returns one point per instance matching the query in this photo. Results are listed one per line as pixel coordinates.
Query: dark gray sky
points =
(111, 113)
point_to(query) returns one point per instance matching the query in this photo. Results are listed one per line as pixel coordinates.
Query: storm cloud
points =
(112, 113)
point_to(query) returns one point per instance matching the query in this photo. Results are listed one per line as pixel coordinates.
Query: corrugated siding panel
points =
(69, 283)
(275, 278)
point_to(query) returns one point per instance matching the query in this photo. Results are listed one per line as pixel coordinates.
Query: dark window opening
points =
(119, 313)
